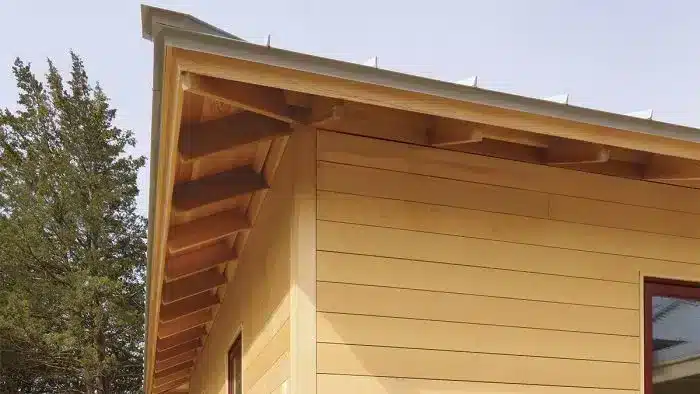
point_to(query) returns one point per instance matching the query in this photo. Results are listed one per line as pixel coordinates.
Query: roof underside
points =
(223, 110)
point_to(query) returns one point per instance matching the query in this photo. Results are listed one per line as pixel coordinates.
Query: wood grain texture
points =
(180, 338)
(188, 305)
(257, 299)
(475, 338)
(406, 244)
(204, 139)
(194, 194)
(199, 260)
(192, 285)
(349, 384)
(502, 227)
(443, 365)
(411, 274)
(348, 149)
(428, 305)
(206, 230)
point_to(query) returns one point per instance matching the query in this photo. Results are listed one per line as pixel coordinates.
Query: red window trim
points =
(661, 288)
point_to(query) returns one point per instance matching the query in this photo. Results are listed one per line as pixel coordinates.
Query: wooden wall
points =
(440, 272)
(257, 302)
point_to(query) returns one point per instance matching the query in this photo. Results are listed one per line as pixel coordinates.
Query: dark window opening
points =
(235, 360)
(672, 337)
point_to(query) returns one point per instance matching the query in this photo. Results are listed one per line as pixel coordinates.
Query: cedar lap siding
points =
(363, 231)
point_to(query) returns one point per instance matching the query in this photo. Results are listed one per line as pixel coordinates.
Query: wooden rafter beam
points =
(178, 350)
(448, 132)
(670, 169)
(198, 260)
(194, 194)
(184, 323)
(177, 360)
(174, 369)
(564, 152)
(190, 286)
(174, 377)
(515, 136)
(171, 385)
(182, 337)
(323, 115)
(199, 140)
(266, 101)
(187, 305)
(206, 230)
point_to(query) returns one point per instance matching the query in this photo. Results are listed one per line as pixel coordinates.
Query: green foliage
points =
(72, 246)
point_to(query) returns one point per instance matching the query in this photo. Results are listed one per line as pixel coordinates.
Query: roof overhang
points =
(185, 46)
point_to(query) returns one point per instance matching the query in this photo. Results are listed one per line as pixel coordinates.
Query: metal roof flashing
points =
(154, 18)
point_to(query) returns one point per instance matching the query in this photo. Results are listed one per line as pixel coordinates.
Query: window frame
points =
(234, 366)
(657, 287)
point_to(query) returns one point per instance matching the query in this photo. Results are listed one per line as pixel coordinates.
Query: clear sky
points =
(615, 55)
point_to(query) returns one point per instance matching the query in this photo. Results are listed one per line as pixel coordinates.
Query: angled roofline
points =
(154, 18)
(167, 28)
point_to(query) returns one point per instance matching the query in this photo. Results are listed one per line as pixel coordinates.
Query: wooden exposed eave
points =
(213, 162)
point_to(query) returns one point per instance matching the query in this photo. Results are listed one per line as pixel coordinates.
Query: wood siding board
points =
(444, 365)
(256, 301)
(401, 332)
(502, 227)
(362, 151)
(411, 274)
(353, 384)
(428, 305)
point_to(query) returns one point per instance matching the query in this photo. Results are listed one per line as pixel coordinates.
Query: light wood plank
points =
(349, 384)
(378, 241)
(192, 285)
(389, 155)
(175, 377)
(403, 95)
(255, 98)
(179, 359)
(275, 348)
(178, 350)
(174, 371)
(563, 152)
(431, 364)
(418, 304)
(393, 332)
(195, 194)
(206, 230)
(502, 227)
(276, 376)
(411, 274)
(302, 349)
(623, 216)
(667, 168)
(447, 132)
(204, 139)
(403, 186)
(198, 260)
(180, 338)
(187, 305)
(169, 386)
(184, 323)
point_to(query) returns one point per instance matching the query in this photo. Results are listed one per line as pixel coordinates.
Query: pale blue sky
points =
(614, 55)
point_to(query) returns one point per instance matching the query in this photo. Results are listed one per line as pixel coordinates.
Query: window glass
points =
(674, 351)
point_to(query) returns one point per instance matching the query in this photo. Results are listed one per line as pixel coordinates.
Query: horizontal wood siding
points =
(256, 302)
(441, 272)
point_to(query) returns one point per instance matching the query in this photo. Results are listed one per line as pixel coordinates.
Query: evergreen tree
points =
(72, 246)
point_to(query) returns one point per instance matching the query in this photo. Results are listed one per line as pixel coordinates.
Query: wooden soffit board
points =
(375, 94)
